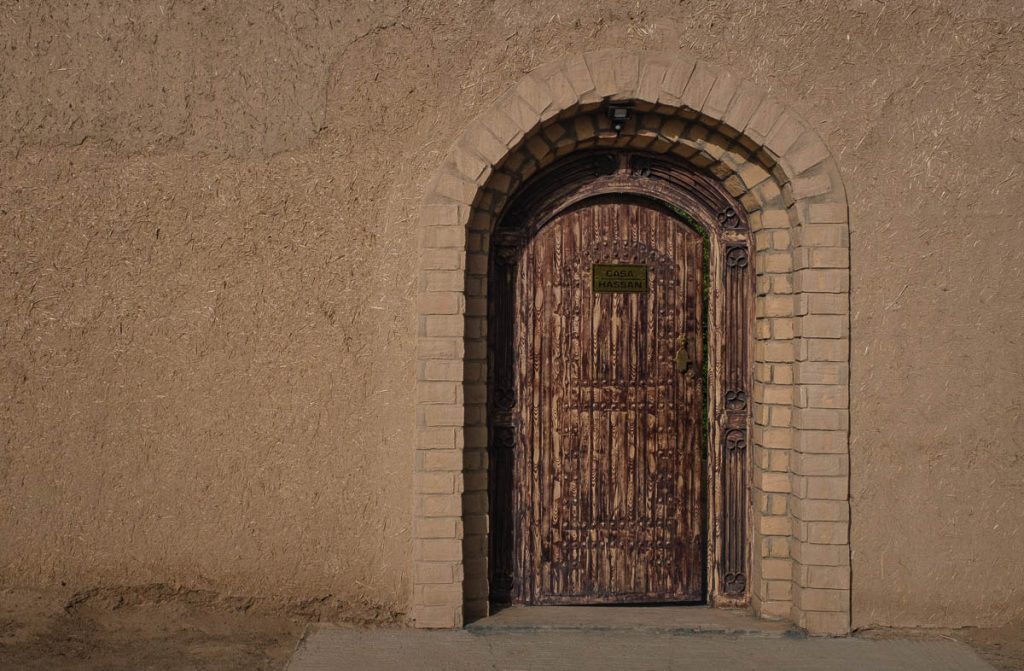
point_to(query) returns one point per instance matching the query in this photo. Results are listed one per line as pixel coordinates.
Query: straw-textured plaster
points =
(208, 252)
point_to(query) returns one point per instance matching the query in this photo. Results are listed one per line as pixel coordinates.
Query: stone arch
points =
(783, 175)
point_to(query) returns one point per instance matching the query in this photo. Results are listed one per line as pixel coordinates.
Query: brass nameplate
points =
(614, 278)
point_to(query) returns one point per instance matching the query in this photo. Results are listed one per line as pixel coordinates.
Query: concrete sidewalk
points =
(330, 648)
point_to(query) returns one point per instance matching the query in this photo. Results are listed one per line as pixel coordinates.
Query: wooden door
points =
(609, 408)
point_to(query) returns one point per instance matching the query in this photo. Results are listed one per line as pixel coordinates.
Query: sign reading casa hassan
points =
(612, 278)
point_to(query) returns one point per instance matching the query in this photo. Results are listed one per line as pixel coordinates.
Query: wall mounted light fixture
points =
(619, 113)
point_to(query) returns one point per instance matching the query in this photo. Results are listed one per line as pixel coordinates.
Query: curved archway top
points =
(586, 174)
(668, 83)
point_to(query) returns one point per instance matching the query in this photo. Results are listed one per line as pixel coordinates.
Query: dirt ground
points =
(155, 627)
(1002, 647)
(159, 627)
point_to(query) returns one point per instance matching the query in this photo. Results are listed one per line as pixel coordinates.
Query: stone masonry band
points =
(784, 176)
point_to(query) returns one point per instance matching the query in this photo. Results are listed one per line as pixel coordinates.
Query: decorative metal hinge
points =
(734, 583)
(736, 439)
(735, 401)
(507, 245)
(639, 166)
(604, 164)
(728, 219)
(736, 256)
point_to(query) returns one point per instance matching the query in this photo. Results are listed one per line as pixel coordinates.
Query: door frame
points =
(771, 159)
(730, 318)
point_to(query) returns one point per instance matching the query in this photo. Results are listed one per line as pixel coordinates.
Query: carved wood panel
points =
(581, 553)
(608, 501)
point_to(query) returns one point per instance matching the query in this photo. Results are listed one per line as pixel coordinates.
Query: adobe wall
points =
(208, 248)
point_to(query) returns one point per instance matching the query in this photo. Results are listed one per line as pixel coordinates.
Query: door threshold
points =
(665, 619)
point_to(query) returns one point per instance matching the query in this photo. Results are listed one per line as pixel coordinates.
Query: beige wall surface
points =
(208, 250)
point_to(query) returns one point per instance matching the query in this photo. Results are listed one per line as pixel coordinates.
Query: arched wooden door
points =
(608, 345)
(618, 378)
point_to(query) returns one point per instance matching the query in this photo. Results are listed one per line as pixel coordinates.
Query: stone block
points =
(775, 526)
(783, 329)
(763, 120)
(823, 326)
(826, 624)
(627, 75)
(753, 174)
(827, 213)
(437, 617)
(819, 485)
(779, 590)
(776, 609)
(563, 96)
(699, 86)
(469, 165)
(720, 95)
(808, 152)
(821, 465)
(822, 281)
(775, 218)
(443, 215)
(444, 237)
(809, 185)
(824, 396)
(821, 555)
(818, 510)
(828, 600)
(776, 439)
(437, 392)
(744, 104)
(577, 72)
(441, 415)
(821, 419)
(781, 417)
(772, 482)
(821, 372)
(440, 459)
(434, 573)
(774, 262)
(439, 505)
(823, 349)
(440, 303)
(452, 186)
(824, 235)
(522, 115)
(651, 77)
(602, 66)
(437, 549)
(777, 306)
(434, 483)
(538, 148)
(829, 257)
(774, 350)
(438, 527)
(776, 569)
(441, 370)
(824, 442)
(441, 437)
(782, 373)
(784, 134)
(676, 79)
(534, 93)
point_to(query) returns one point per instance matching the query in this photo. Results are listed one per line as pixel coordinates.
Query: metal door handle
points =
(682, 356)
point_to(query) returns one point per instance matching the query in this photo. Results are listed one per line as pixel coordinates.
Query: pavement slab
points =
(648, 619)
(334, 648)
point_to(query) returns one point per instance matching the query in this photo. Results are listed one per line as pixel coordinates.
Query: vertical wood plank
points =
(611, 501)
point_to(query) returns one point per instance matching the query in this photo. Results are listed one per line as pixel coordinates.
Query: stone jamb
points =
(785, 177)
